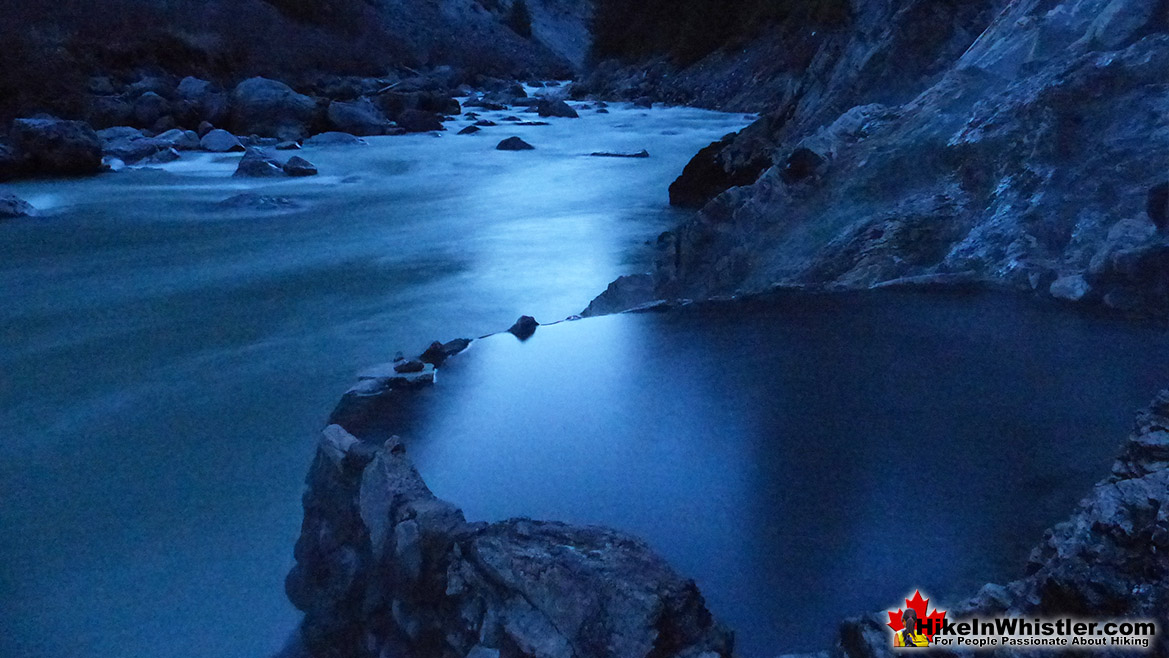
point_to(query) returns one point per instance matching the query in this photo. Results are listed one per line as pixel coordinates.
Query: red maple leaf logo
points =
(930, 623)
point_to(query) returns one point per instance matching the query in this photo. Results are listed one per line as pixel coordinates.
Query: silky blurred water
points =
(804, 459)
(165, 364)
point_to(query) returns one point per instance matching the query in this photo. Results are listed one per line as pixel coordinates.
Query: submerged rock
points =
(469, 130)
(253, 201)
(438, 353)
(514, 144)
(606, 154)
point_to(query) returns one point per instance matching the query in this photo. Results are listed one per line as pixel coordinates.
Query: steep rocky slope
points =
(52, 52)
(1020, 143)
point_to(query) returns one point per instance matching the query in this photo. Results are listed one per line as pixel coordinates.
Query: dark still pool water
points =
(802, 459)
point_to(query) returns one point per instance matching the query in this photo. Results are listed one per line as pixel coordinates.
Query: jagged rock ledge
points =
(385, 568)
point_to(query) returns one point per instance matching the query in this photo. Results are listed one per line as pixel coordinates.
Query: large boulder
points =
(271, 108)
(717, 168)
(220, 141)
(418, 121)
(393, 103)
(56, 147)
(149, 108)
(360, 117)
(179, 139)
(201, 101)
(556, 108)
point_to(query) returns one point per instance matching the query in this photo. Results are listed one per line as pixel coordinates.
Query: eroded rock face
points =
(995, 149)
(386, 568)
(1107, 560)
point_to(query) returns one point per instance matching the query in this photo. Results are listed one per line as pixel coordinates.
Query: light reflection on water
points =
(803, 460)
(166, 365)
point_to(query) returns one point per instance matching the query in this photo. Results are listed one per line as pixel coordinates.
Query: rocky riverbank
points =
(993, 150)
(383, 566)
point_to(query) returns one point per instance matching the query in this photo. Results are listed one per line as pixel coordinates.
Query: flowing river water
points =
(167, 362)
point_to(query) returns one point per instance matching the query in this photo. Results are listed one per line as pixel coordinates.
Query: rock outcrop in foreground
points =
(384, 568)
(1019, 143)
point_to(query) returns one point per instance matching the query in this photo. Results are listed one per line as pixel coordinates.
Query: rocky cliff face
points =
(384, 568)
(1019, 143)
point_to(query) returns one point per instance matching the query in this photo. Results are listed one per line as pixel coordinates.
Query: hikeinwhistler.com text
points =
(1018, 632)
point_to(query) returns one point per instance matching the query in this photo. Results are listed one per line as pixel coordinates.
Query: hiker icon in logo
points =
(908, 636)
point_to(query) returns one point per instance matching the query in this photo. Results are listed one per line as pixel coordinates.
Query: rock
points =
(524, 327)
(149, 108)
(438, 353)
(101, 86)
(514, 144)
(801, 164)
(181, 140)
(298, 166)
(252, 201)
(1070, 288)
(374, 532)
(556, 108)
(413, 365)
(715, 169)
(193, 89)
(220, 141)
(626, 292)
(334, 139)
(360, 117)
(56, 147)
(605, 154)
(469, 130)
(164, 156)
(419, 121)
(204, 128)
(485, 123)
(288, 146)
(602, 111)
(12, 206)
(129, 144)
(258, 164)
(644, 102)
(267, 107)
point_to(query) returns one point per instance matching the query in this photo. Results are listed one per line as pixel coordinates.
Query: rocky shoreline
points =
(385, 568)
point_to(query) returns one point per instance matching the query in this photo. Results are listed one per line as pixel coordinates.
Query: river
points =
(167, 362)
